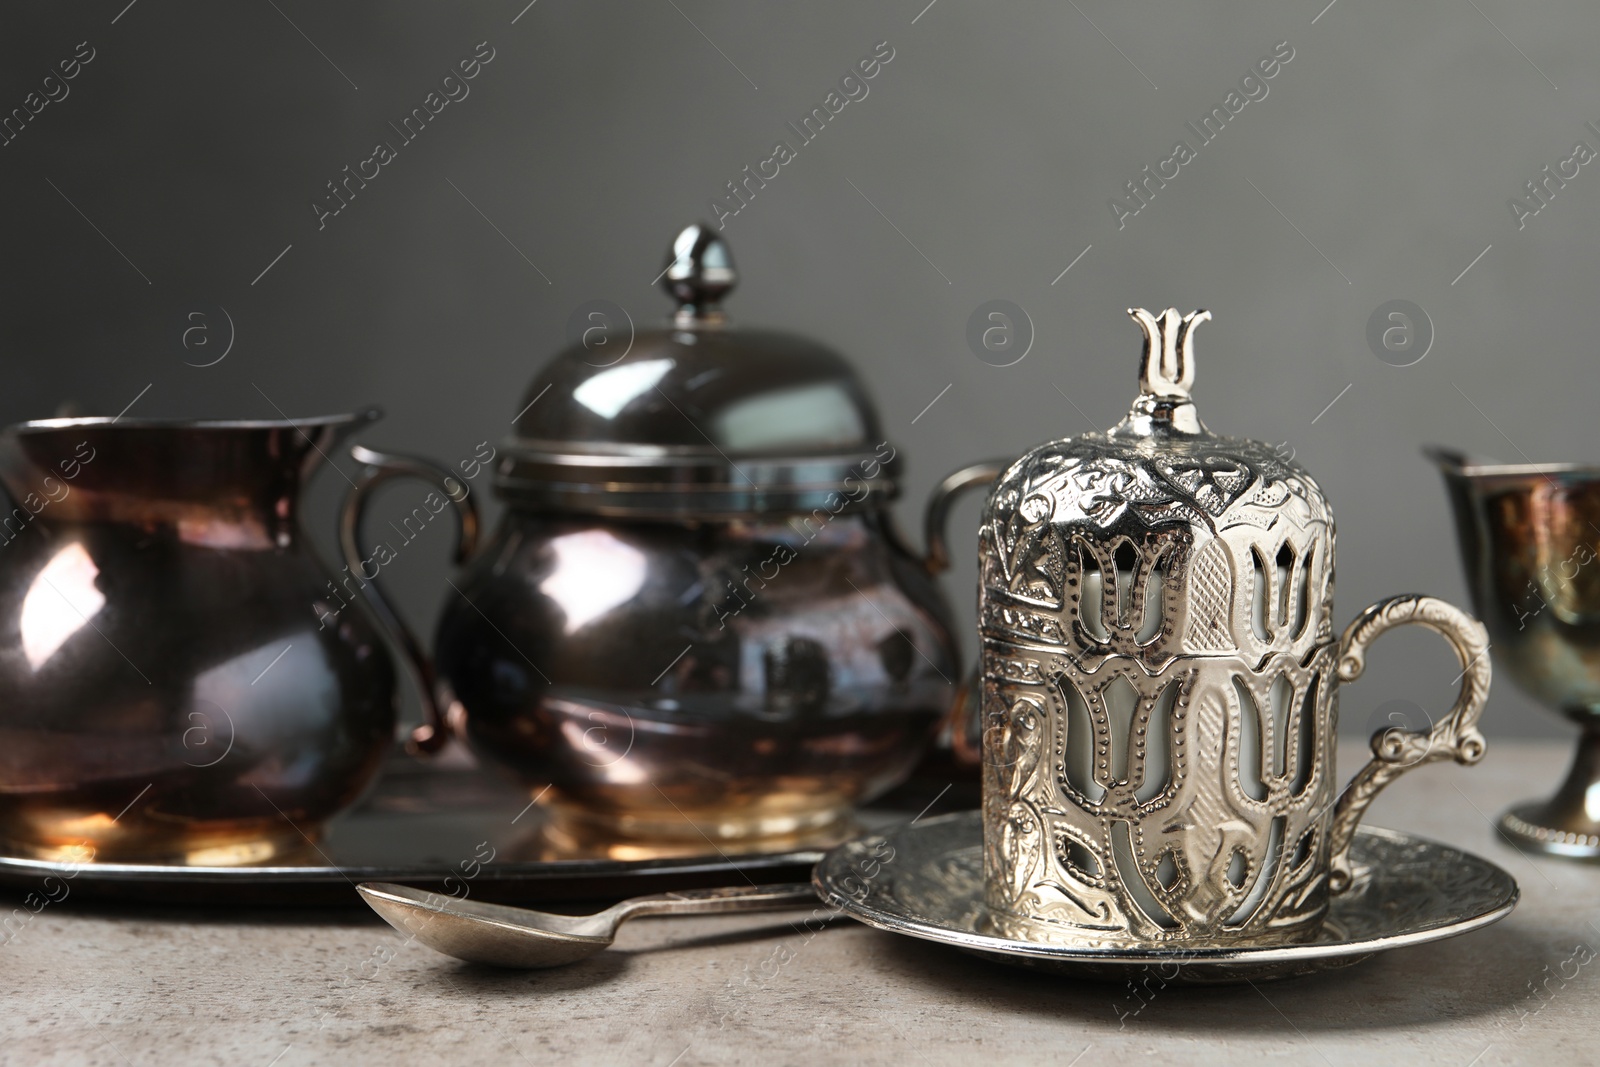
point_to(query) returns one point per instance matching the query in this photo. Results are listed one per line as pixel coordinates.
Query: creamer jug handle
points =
(378, 468)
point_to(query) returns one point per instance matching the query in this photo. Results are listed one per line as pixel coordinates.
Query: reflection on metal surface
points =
(593, 572)
(602, 735)
(236, 854)
(419, 824)
(674, 777)
(60, 602)
(927, 881)
(565, 839)
(786, 417)
(615, 388)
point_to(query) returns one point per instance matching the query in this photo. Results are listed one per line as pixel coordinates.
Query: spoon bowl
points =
(504, 936)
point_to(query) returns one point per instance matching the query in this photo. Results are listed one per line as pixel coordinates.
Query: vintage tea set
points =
(696, 633)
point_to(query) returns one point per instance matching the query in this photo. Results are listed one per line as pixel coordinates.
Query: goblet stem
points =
(1568, 824)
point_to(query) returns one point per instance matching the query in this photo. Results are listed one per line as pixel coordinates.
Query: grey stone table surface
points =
(100, 985)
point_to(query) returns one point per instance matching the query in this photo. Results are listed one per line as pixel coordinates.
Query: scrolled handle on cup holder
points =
(1394, 751)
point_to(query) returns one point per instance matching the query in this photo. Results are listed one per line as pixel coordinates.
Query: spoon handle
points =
(712, 901)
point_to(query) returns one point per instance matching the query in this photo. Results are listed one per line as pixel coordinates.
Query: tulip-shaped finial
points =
(1166, 373)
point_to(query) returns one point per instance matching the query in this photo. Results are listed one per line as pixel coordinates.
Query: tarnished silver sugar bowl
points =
(696, 619)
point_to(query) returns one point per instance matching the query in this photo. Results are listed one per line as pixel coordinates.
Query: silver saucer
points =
(926, 880)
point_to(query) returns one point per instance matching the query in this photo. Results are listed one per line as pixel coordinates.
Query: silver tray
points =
(926, 881)
(461, 832)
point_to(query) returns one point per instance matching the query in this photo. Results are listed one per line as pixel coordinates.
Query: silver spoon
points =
(519, 937)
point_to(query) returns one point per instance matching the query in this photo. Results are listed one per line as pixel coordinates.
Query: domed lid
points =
(1161, 462)
(1159, 505)
(698, 418)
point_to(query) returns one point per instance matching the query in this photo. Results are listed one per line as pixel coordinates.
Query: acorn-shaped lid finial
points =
(699, 274)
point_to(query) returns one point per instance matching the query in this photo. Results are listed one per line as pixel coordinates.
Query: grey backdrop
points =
(187, 153)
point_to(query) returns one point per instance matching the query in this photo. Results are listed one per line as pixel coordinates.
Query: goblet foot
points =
(1568, 824)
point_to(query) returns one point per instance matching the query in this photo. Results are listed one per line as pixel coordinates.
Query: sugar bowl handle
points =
(1395, 750)
(963, 715)
(377, 468)
(936, 556)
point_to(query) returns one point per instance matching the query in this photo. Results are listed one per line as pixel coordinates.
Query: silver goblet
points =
(1530, 535)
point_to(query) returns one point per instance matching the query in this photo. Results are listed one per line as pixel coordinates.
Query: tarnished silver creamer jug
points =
(1160, 682)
